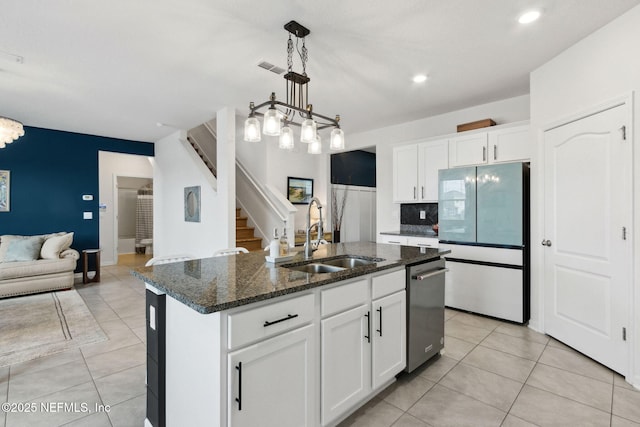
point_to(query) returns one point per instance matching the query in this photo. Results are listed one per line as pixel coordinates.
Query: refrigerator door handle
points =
(484, 154)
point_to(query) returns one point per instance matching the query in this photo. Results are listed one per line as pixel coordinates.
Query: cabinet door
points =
(346, 361)
(389, 337)
(405, 173)
(468, 150)
(432, 156)
(508, 145)
(272, 383)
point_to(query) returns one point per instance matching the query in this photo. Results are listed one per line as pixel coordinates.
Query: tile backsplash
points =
(410, 214)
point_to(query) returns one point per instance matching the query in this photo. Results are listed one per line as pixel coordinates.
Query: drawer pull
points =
(289, 316)
(239, 398)
(430, 273)
(379, 310)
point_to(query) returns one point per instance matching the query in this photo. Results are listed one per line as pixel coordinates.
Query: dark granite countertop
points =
(220, 283)
(431, 234)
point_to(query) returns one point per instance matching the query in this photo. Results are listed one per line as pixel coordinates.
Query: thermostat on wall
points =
(87, 197)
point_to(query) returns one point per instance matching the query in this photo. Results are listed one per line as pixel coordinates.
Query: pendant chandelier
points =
(297, 110)
(10, 130)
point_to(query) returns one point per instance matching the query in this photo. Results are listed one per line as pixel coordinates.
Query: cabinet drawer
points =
(343, 297)
(389, 283)
(423, 242)
(268, 320)
(392, 239)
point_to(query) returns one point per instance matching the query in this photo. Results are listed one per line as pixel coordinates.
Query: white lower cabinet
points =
(389, 337)
(392, 239)
(272, 383)
(345, 361)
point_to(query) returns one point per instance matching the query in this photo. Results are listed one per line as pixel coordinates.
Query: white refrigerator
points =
(483, 216)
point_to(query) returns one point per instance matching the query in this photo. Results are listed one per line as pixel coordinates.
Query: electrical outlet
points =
(423, 214)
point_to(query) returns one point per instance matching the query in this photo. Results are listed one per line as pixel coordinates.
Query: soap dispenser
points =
(284, 243)
(274, 246)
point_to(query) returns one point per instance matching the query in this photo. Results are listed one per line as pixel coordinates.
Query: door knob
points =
(546, 243)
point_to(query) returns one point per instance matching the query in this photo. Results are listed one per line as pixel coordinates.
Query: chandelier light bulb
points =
(337, 139)
(272, 120)
(315, 147)
(286, 138)
(308, 131)
(252, 130)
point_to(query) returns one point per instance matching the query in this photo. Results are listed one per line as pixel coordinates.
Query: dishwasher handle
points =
(431, 273)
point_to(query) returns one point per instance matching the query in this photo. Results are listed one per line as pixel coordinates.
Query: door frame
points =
(537, 252)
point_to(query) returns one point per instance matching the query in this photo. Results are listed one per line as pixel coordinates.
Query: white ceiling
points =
(116, 68)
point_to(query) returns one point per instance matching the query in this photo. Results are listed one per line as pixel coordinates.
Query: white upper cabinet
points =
(494, 146)
(415, 170)
(405, 173)
(431, 157)
(509, 145)
(468, 150)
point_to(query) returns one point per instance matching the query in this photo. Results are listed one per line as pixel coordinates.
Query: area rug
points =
(39, 325)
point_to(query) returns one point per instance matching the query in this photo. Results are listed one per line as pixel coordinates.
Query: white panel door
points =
(587, 255)
(346, 361)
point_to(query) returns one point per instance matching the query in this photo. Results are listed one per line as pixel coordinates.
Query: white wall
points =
(388, 213)
(600, 67)
(111, 165)
(174, 170)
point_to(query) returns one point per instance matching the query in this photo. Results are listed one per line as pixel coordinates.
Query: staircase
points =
(244, 235)
(202, 155)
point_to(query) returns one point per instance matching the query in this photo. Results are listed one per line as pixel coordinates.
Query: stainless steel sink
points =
(331, 265)
(348, 262)
(316, 268)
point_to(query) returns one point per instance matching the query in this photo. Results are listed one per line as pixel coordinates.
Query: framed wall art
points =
(192, 204)
(5, 187)
(299, 190)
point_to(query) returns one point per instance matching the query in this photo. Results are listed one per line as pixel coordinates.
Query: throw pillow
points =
(27, 249)
(4, 244)
(52, 247)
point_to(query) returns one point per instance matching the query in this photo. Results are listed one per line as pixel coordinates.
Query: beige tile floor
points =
(492, 373)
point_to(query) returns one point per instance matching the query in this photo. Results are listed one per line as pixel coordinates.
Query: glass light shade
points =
(271, 124)
(252, 130)
(308, 131)
(337, 139)
(10, 130)
(315, 147)
(286, 138)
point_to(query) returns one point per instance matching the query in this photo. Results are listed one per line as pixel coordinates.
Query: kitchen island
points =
(238, 341)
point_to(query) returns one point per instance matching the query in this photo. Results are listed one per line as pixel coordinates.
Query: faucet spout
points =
(308, 249)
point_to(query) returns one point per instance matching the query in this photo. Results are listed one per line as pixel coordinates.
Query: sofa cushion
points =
(12, 270)
(25, 249)
(52, 247)
(4, 244)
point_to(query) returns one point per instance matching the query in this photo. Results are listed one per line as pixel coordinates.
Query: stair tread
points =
(245, 228)
(242, 217)
(248, 239)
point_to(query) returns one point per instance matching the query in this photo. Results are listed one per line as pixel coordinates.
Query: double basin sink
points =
(331, 265)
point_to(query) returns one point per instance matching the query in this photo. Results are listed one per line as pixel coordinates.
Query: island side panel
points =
(195, 374)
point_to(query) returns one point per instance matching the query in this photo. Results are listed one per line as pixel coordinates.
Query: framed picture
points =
(192, 204)
(299, 190)
(5, 187)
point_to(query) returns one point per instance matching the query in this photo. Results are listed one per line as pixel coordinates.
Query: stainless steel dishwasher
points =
(425, 312)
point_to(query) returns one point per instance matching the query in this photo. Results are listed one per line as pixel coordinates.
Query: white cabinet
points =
(272, 378)
(494, 146)
(392, 239)
(363, 347)
(509, 145)
(345, 361)
(415, 170)
(389, 338)
(422, 242)
(405, 173)
(432, 156)
(468, 150)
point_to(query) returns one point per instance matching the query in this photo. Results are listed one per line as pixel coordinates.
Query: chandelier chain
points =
(290, 53)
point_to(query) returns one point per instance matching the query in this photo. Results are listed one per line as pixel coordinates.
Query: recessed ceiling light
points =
(419, 78)
(529, 17)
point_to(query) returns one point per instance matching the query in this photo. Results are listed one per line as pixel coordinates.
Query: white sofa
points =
(51, 269)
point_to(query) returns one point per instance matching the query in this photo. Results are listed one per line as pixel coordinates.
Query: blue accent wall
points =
(50, 171)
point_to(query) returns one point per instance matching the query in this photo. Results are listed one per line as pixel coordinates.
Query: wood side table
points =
(85, 268)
